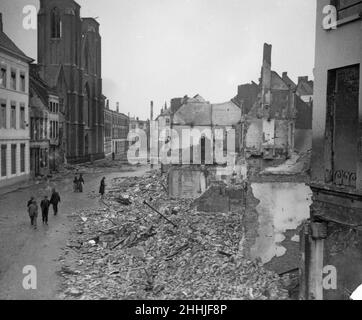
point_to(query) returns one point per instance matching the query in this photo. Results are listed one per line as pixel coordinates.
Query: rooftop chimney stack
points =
(117, 108)
(302, 79)
(151, 110)
(266, 75)
(267, 53)
(107, 105)
(1, 22)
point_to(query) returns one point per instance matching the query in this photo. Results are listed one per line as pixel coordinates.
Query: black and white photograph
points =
(198, 152)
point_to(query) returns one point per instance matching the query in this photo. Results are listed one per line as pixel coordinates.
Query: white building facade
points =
(14, 112)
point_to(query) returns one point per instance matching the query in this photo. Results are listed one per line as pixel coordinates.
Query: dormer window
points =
(56, 24)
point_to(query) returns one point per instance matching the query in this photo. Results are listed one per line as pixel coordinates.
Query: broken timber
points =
(169, 221)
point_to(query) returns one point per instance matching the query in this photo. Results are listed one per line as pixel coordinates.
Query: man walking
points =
(54, 200)
(45, 204)
(33, 212)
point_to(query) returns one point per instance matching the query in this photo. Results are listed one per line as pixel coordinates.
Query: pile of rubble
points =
(142, 245)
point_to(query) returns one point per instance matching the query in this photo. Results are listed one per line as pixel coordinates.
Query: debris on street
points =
(139, 244)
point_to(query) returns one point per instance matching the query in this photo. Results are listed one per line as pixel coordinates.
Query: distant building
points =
(120, 129)
(14, 111)
(108, 116)
(69, 58)
(46, 153)
(332, 264)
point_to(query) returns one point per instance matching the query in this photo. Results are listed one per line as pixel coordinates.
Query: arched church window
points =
(87, 107)
(56, 24)
(86, 57)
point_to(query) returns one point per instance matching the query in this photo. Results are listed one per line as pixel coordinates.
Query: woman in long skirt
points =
(102, 187)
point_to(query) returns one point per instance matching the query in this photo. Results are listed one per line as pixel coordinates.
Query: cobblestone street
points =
(20, 245)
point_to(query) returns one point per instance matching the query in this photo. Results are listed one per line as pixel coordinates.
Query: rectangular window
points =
(22, 81)
(51, 130)
(3, 115)
(3, 76)
(13, 159)
(22, 117)
(3, 160)
(13, 79)
(46, 129)
(347, 8)
(32, 129)
(22, 158)
(13, 117)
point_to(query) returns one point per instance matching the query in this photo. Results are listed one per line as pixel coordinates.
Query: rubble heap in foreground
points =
(126, 250)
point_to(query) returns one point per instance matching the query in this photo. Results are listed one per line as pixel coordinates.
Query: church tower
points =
(69, 58)
(59, 36)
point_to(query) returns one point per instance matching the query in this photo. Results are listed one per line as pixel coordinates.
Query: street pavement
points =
(21, 245)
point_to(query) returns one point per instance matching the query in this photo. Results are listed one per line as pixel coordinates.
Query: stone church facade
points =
(69, 58)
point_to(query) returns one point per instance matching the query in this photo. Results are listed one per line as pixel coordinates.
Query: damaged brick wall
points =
(275, 212)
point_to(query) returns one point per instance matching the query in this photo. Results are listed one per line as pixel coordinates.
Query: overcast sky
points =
(160, 49)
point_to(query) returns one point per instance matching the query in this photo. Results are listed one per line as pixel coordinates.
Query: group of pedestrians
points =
(78, 183)
(44, 205)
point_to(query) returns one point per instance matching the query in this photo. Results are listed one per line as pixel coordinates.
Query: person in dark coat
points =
(30, 201)
(102, 187)
(45, 204)
(75, 184)
(80, 183)
(54, 200)
(33, 212)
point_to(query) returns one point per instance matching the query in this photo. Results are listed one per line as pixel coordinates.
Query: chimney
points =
(266, 75)
(302, 79)
(117, 108)
(267, 54)
(107, 105)
(151, 110)
(1, 22)
(285, 74)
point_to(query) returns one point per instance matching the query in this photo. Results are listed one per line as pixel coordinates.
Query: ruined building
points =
(197, 156)
(69, 58)
(332, 243)
(275, 119)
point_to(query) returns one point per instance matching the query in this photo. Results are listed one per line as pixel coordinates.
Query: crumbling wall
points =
(220, 198)
(187, 182)
(282, 135)
(254, 136)
(274, 213)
